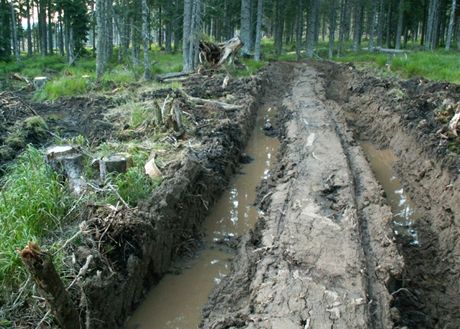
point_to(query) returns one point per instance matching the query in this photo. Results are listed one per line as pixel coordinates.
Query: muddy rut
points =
(321, 255)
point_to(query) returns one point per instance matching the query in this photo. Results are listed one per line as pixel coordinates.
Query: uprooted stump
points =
(40, 266)
(217, 54)
(68, 162)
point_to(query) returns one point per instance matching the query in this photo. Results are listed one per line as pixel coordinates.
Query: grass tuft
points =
(32, 202)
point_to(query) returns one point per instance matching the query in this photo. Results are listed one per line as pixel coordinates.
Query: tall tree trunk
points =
(194, 36)
(187, 30)
(178, 26)
(109, 30)
(343, 23)
(381, 20)
(50, 28)
(299, 29)
(279, 28)
(451, 24)
(61, 34)
(400, 24)
(332, 26)
(372, 24)
(101, 50)
(358, 25)
(246, 26)
(29, 30)
(168, 27)
(146, 37)
(260, 14)
(458, 33)
(312, 27)
(14, 32)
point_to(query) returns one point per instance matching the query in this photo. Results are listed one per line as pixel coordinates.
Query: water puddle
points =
(405, 214)
(176, 302)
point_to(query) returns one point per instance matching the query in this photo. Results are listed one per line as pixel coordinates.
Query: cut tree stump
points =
(68, 162)
(50, 286)
(114, 163)
(40, 82)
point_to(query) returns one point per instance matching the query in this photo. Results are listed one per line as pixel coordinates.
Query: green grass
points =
(32, 202)
(433, 65)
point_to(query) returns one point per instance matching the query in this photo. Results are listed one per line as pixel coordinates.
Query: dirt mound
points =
(134, 248)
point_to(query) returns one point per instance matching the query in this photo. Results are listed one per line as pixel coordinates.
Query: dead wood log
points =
(41, 268)
(68, 162)
(171, 76)
(217, 54)
(202, 101)
(17, 76)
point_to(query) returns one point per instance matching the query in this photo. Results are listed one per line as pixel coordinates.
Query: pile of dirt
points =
(133, 248)
(409, 118)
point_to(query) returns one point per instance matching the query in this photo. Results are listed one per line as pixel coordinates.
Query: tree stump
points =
(68, 162)
(114, 163)
(40, 82)
(50, 286)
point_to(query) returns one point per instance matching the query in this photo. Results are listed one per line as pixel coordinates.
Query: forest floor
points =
(329, 249)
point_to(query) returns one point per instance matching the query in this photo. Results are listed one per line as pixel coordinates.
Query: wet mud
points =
(405, 118)
(356, 225)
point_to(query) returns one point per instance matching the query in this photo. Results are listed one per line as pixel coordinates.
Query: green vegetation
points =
(432, 65)
(32, 202)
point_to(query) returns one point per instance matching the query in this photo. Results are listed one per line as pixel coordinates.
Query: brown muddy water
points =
(176, 302)
(405, 215)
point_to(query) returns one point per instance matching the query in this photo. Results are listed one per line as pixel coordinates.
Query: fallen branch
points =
(197, 100)
(171, 76)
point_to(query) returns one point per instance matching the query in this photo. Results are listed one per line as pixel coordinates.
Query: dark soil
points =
(405, 116)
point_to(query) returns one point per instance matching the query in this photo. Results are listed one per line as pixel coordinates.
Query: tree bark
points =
(246, 26)
(299, 29)
(14, 32)
(380, 23)
(29, 30)
(311, 27)
(451, 24)
(187, 25)
(332, 26)
(358, 25)
(260, 13)
(50, 28)
(50, 286)
(145, 37)
(372, 24)
(400, 24)
(101, 38)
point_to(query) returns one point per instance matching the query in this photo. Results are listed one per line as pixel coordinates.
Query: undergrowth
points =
(32, 202)
(437, 65)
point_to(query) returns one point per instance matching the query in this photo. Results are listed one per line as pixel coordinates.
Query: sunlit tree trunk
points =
(451, 24)
(29, 30)
(260, 13)
(246, 26)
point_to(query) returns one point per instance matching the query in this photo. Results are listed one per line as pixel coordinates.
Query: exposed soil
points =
(323, 254)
